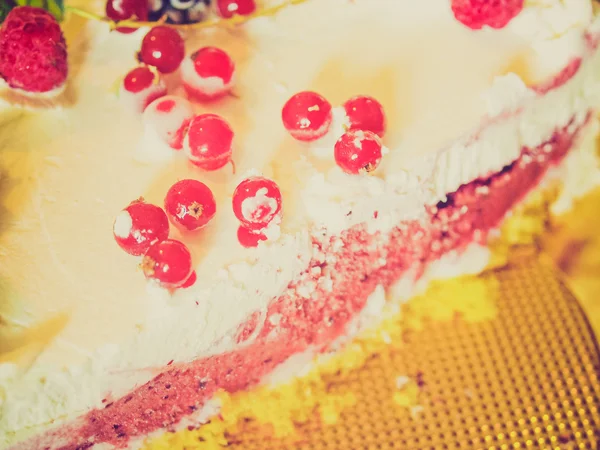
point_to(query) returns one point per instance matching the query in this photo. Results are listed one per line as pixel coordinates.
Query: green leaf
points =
(5, 7)
(54, 7)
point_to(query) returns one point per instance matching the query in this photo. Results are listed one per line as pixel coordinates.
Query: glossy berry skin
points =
(256, 202)
(229, 8)
(190, 204)
(163, 48)
(179, 11)
(249, 238)
(140, 87)
(358, 151)
(33, 51)
(118, 10)
(207, 74)
(307, 116)
(476, 14)
(169, 117)
(365, 113)
(168, 262)
(190, 281)
(208, 142)
(140, 225)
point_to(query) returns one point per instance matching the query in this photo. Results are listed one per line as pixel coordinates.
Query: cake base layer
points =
(357, 264)
(454, 377)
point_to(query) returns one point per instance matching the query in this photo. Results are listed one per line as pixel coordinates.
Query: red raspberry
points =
(476, 14)
(33, 52)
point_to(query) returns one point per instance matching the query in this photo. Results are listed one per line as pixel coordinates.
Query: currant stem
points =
(217, 22)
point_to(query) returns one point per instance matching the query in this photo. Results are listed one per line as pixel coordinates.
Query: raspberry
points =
(33, 52)
(476, 14)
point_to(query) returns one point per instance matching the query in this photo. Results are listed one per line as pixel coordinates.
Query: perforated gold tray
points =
(527, 379)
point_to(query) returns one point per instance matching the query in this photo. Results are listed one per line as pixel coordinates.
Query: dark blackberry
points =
(179, 11)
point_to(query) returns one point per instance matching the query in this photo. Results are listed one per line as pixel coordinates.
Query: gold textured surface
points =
(527, 379)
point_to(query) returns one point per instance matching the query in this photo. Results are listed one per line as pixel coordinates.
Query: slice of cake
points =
(253, 195)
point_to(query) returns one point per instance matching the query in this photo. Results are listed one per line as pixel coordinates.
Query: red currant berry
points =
(139, 226)
(207, 74)
(168, 262)
(365, 113)
(141, 87)
(169, 117)
(307, 116)
(358, 151)
(118, 10)
(190, 204)
(249, 238)
(208, 142)
(228, 8)
(190, 281)
(476, 14)
(256, 202)
(163, 48)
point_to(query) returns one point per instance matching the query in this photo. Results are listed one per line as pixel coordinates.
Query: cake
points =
(333, 156)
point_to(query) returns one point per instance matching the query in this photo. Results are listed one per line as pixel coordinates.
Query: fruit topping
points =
(256, 202)
(139, 226)
(190, 204)
(228, 8)
(179, 11)
(168, 262)
(249, 238)
(118, 10)
(169, 117)
(208, 142)
(190, 281)
(207, 74)
(358, 151)
(163, 48)
(307, 116)
(365, 113)
(33, 52)
(476, 14)
(140, 87)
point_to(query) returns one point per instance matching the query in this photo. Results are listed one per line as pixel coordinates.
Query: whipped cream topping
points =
(67, 183)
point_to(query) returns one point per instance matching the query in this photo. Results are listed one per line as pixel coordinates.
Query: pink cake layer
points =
(467, 216)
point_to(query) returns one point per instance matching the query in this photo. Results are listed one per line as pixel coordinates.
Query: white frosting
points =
(57, 253)
(123, 224)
